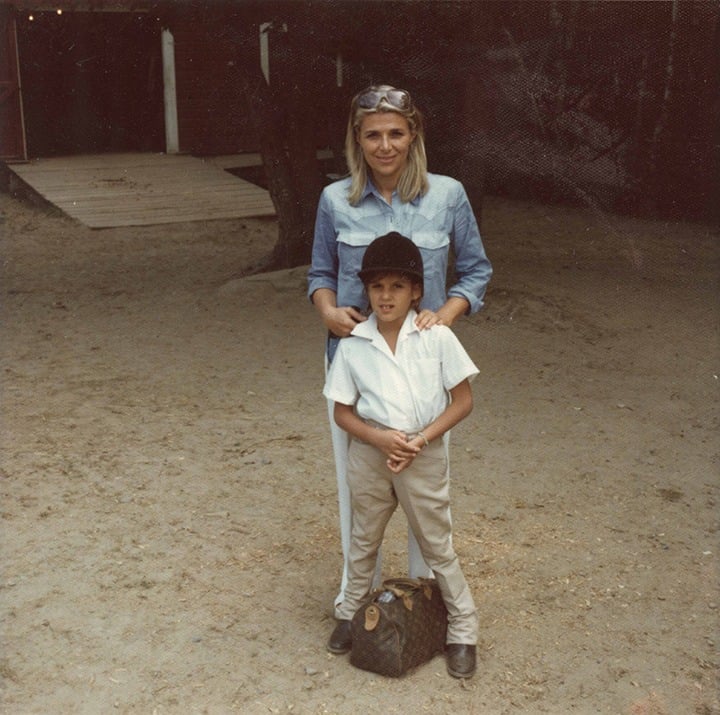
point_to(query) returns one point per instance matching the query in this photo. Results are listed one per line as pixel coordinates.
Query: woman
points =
(390, 189)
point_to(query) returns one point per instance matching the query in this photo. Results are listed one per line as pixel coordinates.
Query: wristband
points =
(425, 439)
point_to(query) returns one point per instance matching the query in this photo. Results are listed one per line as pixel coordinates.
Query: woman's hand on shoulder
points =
(427, 318)
(447, 315)
(341, 320)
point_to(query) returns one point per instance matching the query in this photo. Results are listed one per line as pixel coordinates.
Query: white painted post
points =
(265, 50)
(172, 141)
(339, 70)
(265, 28)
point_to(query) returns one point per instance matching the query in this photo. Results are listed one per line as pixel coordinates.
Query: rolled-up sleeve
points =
(472, 267)
(323, 271)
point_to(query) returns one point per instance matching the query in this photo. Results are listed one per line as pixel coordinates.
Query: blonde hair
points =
(414, 180)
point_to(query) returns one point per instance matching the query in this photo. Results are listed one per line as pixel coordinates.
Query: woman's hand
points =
(427, 318)
(446, 315)
(338, 320)
(341, 321)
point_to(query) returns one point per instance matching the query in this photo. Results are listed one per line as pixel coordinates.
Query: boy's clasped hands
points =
(399, 450)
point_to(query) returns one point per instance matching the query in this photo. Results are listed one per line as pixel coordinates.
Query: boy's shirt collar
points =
(368, 329)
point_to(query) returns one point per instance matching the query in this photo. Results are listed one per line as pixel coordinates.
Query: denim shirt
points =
(436, 221)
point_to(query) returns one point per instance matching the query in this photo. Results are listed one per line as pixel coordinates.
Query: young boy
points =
(398, 390)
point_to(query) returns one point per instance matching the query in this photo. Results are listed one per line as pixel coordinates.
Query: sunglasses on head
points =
(398, 98)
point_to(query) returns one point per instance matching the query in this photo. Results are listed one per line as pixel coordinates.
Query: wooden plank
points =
(241, 161)
(236, 161)
(108, 190)
(89, 192)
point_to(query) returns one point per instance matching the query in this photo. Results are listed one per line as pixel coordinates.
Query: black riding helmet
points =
(392, 253)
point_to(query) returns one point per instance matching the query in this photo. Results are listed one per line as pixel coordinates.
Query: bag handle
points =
(404, 587)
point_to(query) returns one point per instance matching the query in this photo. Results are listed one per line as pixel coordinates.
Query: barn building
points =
(131, 75)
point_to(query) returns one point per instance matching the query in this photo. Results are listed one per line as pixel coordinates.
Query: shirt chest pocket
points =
(351, 249)
(430, 240)
(427, 386)
(356, 239)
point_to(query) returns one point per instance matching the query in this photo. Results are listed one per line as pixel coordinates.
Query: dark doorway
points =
(92, 82)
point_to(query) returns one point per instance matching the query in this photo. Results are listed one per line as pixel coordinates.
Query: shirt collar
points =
(368, 328)
(370, 188)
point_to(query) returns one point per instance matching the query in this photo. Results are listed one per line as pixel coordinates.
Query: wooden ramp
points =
(107, 190)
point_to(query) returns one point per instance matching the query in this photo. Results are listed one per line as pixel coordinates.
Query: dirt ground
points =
(169, 536)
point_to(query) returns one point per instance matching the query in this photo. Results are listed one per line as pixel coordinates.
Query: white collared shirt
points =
(404, 391)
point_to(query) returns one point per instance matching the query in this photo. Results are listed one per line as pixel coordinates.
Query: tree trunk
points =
(294, 179)
(288, 129)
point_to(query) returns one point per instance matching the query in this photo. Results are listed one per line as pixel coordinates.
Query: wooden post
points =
(265, 50)
(172, 142)
(339, 70)
(265, 29)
